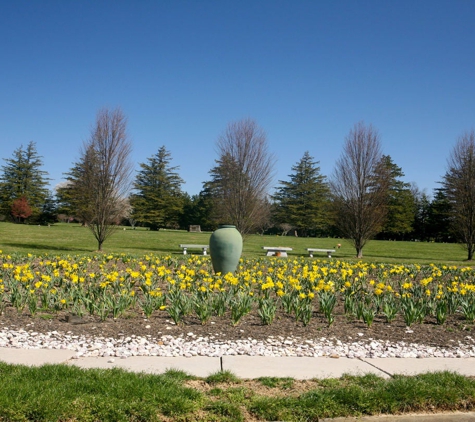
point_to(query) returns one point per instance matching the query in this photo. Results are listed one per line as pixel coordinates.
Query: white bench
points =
(328, 251)
(204, 248)
(276, 250)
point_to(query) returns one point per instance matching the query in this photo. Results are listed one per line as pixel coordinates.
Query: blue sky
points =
(306, 71)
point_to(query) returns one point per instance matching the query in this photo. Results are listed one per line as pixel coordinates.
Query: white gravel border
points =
(192, 345)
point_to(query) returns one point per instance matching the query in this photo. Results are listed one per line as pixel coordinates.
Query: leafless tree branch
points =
(243, 176)
(359, 186)
(105, 171)
(459, 186)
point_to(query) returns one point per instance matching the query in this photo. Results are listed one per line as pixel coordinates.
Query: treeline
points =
(365, 197)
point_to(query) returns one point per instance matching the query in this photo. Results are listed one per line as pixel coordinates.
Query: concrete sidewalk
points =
(247, 366)
(439, 417)
(257, 366)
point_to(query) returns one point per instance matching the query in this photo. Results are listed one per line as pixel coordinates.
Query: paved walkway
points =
(248, 366)
(257, 366)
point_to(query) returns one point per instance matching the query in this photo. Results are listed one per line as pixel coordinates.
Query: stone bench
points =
(204, 248)
(276, 250)
(327, 251)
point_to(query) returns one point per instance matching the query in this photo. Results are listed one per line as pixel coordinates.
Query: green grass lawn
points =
(65, 393)
(74, 239)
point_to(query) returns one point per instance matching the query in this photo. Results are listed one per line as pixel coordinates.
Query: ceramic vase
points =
(225, 248)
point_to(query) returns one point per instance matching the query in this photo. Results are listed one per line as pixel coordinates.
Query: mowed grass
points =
(67, 393)
(75, 239)
(61, 392)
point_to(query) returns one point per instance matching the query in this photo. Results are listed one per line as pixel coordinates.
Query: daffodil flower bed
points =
(110, 286)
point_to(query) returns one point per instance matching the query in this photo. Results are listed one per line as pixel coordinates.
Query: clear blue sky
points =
(306, 71)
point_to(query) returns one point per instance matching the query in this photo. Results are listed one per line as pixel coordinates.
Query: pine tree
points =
(74, 197)
(401, 207)
(302, 201)
(159, 199)
(420, 226)
(22, 177)
(48, 213)
(441, 219)
(198, 210)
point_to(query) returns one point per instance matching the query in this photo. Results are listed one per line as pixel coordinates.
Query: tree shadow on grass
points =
(413, 258)
(37, 246)
(156, 249)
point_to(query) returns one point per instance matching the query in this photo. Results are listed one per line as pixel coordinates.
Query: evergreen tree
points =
(159, 199)
(48, 213)
(421, 227)
(22, 177)
(198, 210)
(74, 197)
(302, 201)
(205, 210)
(400, 204)
(189, 214)
(441, 219)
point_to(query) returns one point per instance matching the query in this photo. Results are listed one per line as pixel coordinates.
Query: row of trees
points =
(365, 197)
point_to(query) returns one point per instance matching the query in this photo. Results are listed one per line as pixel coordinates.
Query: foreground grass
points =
(74, 239)
(60, 392)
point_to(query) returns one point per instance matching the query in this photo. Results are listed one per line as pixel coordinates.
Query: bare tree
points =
(459, 186)
(266, 222)
(101, 180)
(242, 177)
(360, 187)
(124, 210)
(285, 227)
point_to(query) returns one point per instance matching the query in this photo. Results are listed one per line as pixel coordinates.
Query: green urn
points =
(225, 248)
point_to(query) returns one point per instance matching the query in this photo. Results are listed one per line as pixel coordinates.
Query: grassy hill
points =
(75, 239)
